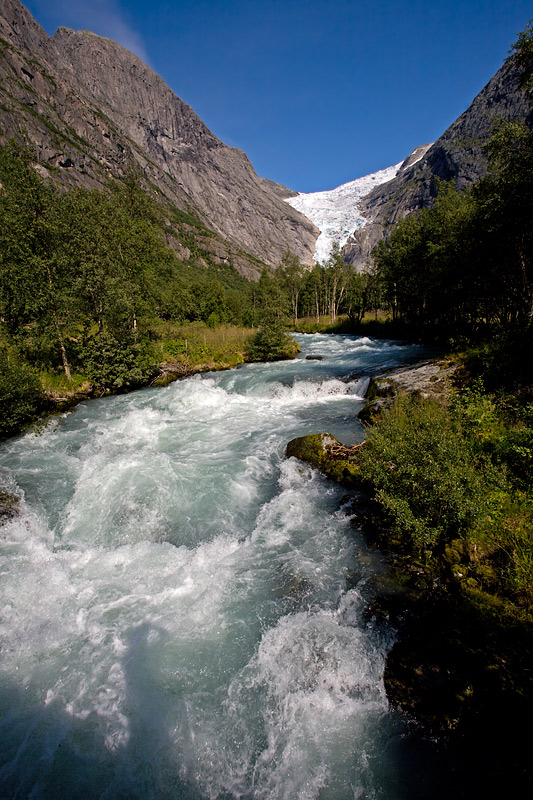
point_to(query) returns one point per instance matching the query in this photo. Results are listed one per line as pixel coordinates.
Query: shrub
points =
(21, 396)
(113, 363)
(270, 343)
(426, 474)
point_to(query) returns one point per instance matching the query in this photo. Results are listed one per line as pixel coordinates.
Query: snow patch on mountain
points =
(336, 211)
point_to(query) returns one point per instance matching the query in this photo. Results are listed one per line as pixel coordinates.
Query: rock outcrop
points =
(92, 110)
(457, 155)
(427, 379)
(324, 452)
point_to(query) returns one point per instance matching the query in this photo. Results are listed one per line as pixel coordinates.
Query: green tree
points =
(115, 360)
(337, 276)
(505, 208)
(313, 292)
(425, 266)
(522, 58)
(34, 278)
(357, 296)
(292, 273)
(271, 295)
(270, 343)
(209, 301)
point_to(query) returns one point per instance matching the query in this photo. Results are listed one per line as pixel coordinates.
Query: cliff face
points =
(457, 155)
(92, 109)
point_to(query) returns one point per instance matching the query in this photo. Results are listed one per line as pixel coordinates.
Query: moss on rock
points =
(324, 452)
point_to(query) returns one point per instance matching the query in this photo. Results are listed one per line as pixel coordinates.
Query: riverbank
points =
(167, 372)
(461, 663)
(178, 352)
(170, 352)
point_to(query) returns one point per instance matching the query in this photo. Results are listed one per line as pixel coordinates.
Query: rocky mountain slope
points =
(457, 155)
(92, 109)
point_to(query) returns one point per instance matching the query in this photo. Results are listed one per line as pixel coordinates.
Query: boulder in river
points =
(327, 454)
(9, 506)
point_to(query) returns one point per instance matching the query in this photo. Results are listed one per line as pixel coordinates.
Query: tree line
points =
(326, 290)
(84, 273)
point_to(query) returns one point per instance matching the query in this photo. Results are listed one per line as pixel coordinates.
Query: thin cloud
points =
(104, 17)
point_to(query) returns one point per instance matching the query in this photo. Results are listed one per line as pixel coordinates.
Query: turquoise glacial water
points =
(182, 608)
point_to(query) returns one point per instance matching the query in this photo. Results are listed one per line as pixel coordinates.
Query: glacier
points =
(336, 212)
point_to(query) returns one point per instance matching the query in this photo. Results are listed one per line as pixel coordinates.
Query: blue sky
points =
(316, 93)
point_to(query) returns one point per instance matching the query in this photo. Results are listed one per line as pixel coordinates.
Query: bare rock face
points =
(41, 104)
(92, 109)
(457, 155)
(278, 188)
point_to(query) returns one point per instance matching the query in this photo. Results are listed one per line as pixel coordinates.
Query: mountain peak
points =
(92, 110)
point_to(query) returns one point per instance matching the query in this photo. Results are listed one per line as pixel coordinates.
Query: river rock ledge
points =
(327, 454)
(429, 378)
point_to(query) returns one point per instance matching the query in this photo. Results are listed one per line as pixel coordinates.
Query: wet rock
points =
(9, 506)
(427, 378)
(431, 378)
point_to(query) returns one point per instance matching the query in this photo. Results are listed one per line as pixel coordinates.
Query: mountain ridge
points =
(92, 110)
(457, 155)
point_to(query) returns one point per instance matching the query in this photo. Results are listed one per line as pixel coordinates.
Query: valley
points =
(189, 610)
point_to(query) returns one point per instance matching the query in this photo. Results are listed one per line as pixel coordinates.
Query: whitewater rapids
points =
(182, 609)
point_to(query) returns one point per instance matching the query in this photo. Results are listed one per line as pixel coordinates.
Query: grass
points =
(191, 345)
(55, 382)
(374, 323)
(323, 325)
(196, 344)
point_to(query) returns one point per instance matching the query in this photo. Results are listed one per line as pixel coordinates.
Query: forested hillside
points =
(463, 271)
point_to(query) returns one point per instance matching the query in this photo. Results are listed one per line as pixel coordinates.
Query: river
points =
(182, 608)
